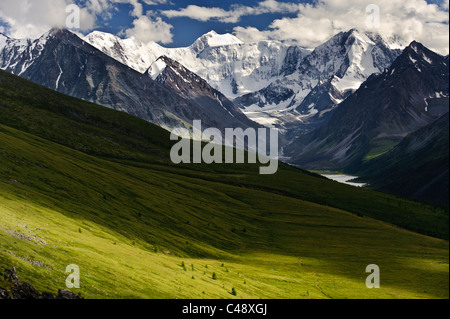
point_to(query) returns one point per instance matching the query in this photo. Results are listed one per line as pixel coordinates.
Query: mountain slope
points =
(61, 61)
(193, 88)
(82, 184)
(415, 168)
(379, 114)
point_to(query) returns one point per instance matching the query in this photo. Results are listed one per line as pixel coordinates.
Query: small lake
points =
(345, 179)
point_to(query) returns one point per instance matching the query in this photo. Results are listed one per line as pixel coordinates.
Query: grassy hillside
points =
(81, 184)
(422, 157)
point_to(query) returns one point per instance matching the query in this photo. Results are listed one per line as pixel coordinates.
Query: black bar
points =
(232, 308)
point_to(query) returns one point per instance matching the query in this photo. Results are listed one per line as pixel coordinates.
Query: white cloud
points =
(314, 23)
(30, 18)
(147, 28)
(198, 13)
(105, 7)
(411, 19)
(155, 2)
(251, 34)
(235, 13)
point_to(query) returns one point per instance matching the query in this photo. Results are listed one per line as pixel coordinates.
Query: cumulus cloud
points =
(315, 23)
(147, 28)
(30, 18)
(235, 13)
(309, 24)
(251, 34)
(106, 7)
(199, 13)
(155, 2)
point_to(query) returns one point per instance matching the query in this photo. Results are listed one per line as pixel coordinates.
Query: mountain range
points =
(338, 106)
(324, 78)
(60, 60)
(273, 82)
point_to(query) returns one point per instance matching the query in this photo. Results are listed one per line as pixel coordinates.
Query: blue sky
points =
(175, 23)
(186, 30)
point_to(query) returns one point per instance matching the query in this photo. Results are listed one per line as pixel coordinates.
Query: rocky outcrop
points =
(23, 290)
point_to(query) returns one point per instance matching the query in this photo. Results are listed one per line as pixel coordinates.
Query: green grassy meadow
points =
(82, 184)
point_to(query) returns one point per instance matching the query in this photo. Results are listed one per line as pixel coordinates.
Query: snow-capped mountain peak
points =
(324, 78)
(133, 53)
(419, 58)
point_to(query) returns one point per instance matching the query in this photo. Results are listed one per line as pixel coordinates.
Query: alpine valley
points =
(86, 176)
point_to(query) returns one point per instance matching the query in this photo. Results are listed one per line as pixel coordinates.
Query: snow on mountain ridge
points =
(213, 39)
(226, 63)
(157, 68)
(136, 55)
